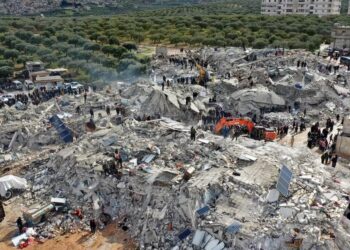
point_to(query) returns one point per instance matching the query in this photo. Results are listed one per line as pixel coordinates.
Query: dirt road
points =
(111, 238)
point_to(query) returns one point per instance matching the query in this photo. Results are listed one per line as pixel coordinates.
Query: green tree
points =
(107, 49)
(11, 54)
(6, 63)
(112, 40)
(6, 71)
(175, 39)
(260, 43)
(92, 46)
(155, 38)
(86, 55)
(62, 37)
(130, 46)
(24, 35)
(102, 39)
(118, 52)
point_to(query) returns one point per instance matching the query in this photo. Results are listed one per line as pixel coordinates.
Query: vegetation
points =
(106, 46)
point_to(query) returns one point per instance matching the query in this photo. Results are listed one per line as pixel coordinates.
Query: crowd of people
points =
(183, 62)
(325, 140)
(37, 96)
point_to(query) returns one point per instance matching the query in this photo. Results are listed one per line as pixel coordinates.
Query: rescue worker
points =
(108, 110)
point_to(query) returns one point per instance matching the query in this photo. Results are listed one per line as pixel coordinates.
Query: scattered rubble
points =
(174, 193)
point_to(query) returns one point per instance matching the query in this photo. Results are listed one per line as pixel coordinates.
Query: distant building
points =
(34, 66)
(340, 36)
(301, 7)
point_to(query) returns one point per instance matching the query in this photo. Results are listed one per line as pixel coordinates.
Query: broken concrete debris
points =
(211, 193)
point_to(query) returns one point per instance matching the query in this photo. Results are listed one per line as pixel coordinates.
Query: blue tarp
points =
(64, 132)
(203, 210)
(184, 234)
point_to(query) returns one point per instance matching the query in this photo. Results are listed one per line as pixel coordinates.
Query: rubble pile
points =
(162, 195)
(176, 193)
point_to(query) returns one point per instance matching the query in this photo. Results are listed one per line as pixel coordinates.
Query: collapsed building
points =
(173, 193)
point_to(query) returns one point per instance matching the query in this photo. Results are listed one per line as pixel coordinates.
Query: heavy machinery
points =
(203, 76)
(246, 126)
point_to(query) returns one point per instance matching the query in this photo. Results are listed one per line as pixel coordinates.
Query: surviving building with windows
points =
(302, 7)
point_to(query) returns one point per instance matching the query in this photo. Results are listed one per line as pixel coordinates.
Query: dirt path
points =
(111, 238)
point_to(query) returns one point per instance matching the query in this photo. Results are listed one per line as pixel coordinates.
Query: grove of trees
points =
(106, 46)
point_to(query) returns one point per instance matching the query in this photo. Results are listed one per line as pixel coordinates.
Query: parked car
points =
(8, 99)
(77, 87)
(9, 184)
(29, 84)
(17, 85)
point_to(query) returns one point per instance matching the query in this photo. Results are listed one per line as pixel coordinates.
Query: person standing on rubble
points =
(93, 226)
(108, 110)
(334, 160)
(292, 141)
(19, 223)
(163, 86)
(77, 110)
(193, 134)
(331, 125)
(91, 112)
(118, 159)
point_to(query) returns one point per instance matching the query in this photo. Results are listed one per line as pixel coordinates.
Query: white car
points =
(29, 84)
(76, 87)
(18, 85)
(7, 97)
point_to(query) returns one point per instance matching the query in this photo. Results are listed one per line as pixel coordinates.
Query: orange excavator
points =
(255, 132)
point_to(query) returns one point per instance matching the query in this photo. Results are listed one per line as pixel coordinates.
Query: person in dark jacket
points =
(91, 112)
(193, 134)
(334, 160)
(93, 226)
(19, 223)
